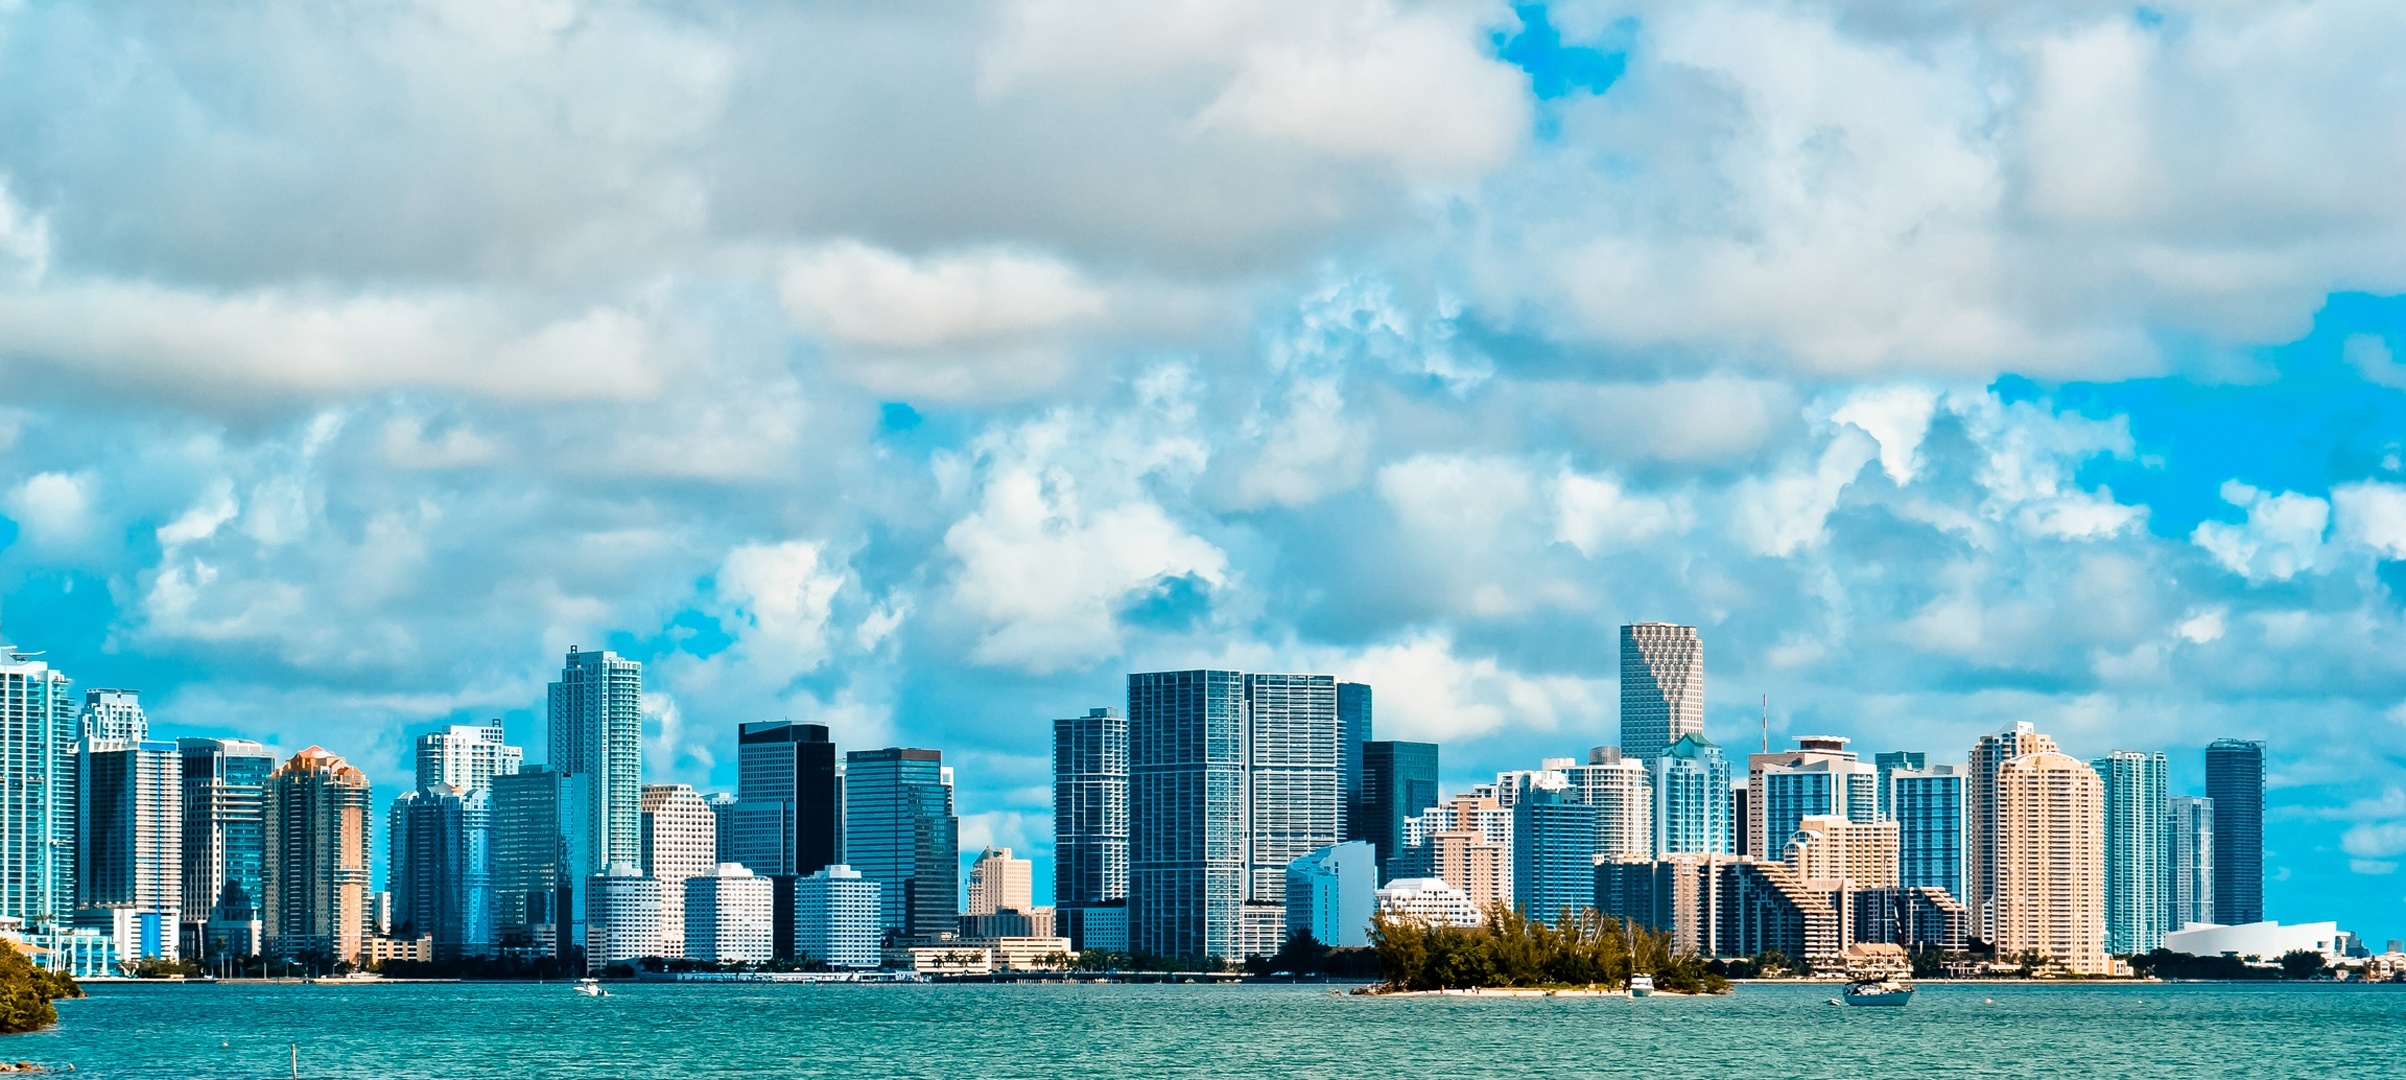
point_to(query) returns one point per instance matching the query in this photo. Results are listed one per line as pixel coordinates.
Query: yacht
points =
(591, 988)
(1889, 991)
(1641, 985)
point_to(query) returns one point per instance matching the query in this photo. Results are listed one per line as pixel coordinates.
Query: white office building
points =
(837, 919)
(1429, 899)
(680, 840)
(622, 920)
(1332, 892)
(730, 916)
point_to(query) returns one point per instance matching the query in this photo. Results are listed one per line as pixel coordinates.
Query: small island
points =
(26, 992)
(1582, 951)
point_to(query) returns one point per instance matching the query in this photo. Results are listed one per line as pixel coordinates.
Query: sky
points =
(921, 370)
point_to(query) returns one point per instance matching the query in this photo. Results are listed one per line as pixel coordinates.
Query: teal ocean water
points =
(450, 1030)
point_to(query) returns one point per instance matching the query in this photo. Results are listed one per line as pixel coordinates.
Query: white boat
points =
(1889, 991)
(591, 988)
(1641, 985)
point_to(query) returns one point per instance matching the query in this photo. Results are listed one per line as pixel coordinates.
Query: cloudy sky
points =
(922, 369)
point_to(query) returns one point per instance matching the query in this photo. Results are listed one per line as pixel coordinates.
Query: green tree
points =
(26, 992)
(2301, 964)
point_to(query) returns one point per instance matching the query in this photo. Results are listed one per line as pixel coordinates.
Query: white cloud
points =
(1427, 691)
(2369, 354)
(1597, 515)
(24, 237)
(2203, 627)
(862, 295)
(1786, 512)
(54, 509)
(776, 598)
(2371, 515)
(1897, 416)
(1309, 452)
(2282, 537)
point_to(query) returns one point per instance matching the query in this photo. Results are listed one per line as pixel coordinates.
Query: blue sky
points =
(922, 372)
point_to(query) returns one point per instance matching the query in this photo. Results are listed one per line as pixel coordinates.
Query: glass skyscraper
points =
(596, 713)
(37, 806)
(2192, 892)
(225, 823)
(537, 864)
(439, 869)
(2235, 781)
(1399, 780)
(1691, 799)
(1553, 855)
(789, 800)
(129, 842)
(2137, 850)
(1353, 731)
(899, 831)
(1891, 762)
(1928, 808)
(1186, 811)
(1293, 775)
(1662, 687)
(1090, 808)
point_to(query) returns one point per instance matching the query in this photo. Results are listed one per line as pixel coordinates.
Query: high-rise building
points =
(1353, 733)
(129, 842)
(789, 792)
(1000, 882)
(1819, 776)
(1553, 855)
(722, 822)
(2138, 850)
(537, 871)
(838, 918)
(730, 916)
(1855, 854)
(1927, 806)
(1891, 762)
(466, 756)
(1662, 687)
(899, 831)
(1467, 842)
(1722, 905)
(2191, 896)
(1980, 818)
(2050, 862)
(622, 920)
(1090, 809)
(225, 826)
(1331, 894)
(1293, 773)
(38, 732)
(596, 713)
(1399, 781)
(439, 869)
(2235, 781)
(318, 808)
(114, 716)
(1691, 800)
(680, 840)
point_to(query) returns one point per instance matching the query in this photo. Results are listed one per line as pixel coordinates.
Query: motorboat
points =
(591, 988)
(1888, 991)
(1641, 986)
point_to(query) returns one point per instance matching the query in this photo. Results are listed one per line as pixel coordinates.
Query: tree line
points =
(1510, 949)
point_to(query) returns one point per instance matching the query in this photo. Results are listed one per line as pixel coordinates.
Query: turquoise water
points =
(447, 1030)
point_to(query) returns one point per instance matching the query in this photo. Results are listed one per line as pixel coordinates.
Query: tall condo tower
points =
(597, 740)
(1989, 756)
(1662, 687)
(789, 800)
(129, 842)
(1399, 781)
(899, 831)
(1353, 732)
(225, 824)
(1927, 806)
(2235, 781)
(2050, 861)
(1691, 800)
(37, 807)
(1186, 811)
(317, 863)
(680, 841)
(439, 868)
(2137, 851)
(2192, 892)
(115, 715)
(1090, 808)
(465, 756)
(1294, 776)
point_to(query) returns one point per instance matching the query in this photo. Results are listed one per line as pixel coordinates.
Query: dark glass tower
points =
(1399, 780)
(1186, 811)
(2235, 781)
(1353, 731)
(899, 831)
(789, 800)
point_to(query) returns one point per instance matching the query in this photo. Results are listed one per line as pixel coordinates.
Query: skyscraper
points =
(1293, 776)
(680, 840)
(2192, 892)
(837, 918)
(129, 842)
(1662, 687)
(789, 809)
(537, 870)
(2137, 850)
(1819, 776)
(899, 831)
(596, 712)
(317, 857)
(114, 715)
(1553, 855)
(1186, 811)
(1927, 806)
(1980, 815)
(439, 868)
(2050, 861)
(1090, 809)
(38, 732)
(1889, 763)
(1622, 791)
(1000, 882)
(1399, 781)
(466, 756)
(722, 820)
(1691, 799)
(622, 921)
(2235, 781)
(225, 822)
(1353, 732)
(729, 916)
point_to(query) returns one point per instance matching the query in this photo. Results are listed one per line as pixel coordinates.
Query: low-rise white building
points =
(622, 918)
(1331, 893)
(730, 916)
(1429, 899)
(2262, 940)
(836, 918)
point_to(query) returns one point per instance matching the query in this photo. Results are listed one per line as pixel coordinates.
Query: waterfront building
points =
(1553, 856)
(129, 839)
(1399, 781)
(38, 732)
(1819, 776)
(1261, 927)
(1691, 802)
(2235, 781)
(2191, 895)
(1186, 811)
(1353, 733)
(2258, 941)
(839, 917)
(1920, 919)
(789, 799)
(901, 833)
(1852, 854)
(1722, 906)
(1927, 806)
(1466, 842)
(233, 928)
(318, 808)
(680, 840)
(2050, 862)
(376, 950)
(1331, 893)
(224, 784)
(1889, 764)
(729, 916)
(1662, 687)
(1102, 926)
(596, 727)
(1090, 811)
(537, 871)
(1000, 882)
(622, 918)
(113, 716)
(1622, 791)
(1294, 781)
(1430, 900)
(439, 869)
(1980, 818)
(2137, 850)
(466, 756)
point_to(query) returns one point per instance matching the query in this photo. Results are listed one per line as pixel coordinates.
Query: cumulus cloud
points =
(2282, 537)
(1428, 691)
(54, 509)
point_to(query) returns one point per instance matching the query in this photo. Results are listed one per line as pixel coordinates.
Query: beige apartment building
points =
(1859, 854)
(1980, 818)
(2049, 851)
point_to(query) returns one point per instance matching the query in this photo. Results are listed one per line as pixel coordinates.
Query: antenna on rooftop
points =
(1766, 723)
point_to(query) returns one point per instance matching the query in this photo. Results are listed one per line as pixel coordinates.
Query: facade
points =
(1927, 806)
(900, 832)
(999, 882)
(1891, 763)
(1467, 843)
(680, 840)
(729, 916)
(1186, 811)
(596, 727)
(789, 799)
(1261, 928)
(2235, 781)
(1553, 856)
(1293, 776)
(1691, 804)
(1918, 919)
(2138, 849)
(1829, 848)
(2257, 940)
(1989, 756)
(1095, 926)
(2050, 862)
(225, 828)
(1430, 900)
(622, 919)
(1722, 906)
(466, 756)
(1819, 776)
(1353, 732)
(316, 904)
(2191, 895)
(537, 871)
(113, 716)
(1331, 894)
(1399, 781)
(1622, 791)
(1662, 687)
(233, 928)
(129, 841)
(38, 731)
(722, 820)
(838, 918)
(438, 869)
(1090, 809)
